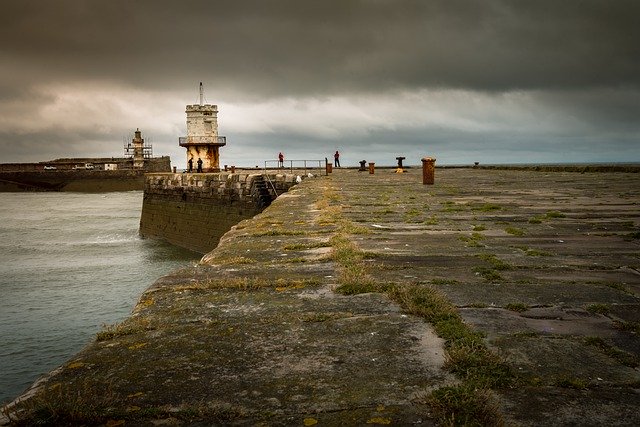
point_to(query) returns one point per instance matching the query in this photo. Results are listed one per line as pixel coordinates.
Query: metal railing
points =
(295, 164)
(271, 184)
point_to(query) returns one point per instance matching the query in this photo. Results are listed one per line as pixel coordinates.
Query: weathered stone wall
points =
(194, 210)
(90, 181)
(154, 164)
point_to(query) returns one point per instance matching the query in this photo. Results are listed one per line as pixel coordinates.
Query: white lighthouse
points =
(202, 141)
(138, 150)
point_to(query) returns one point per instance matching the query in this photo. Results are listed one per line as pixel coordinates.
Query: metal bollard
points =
(233, 169)
(362, 166)
(175, 169)
(329, 168)
(372, 168)
(428, 170)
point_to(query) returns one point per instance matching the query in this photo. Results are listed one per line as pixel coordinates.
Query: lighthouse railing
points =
(184, 141)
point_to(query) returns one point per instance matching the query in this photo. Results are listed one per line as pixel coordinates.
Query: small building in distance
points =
(202, 141)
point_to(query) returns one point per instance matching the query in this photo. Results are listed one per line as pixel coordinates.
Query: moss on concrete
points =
(256, 333)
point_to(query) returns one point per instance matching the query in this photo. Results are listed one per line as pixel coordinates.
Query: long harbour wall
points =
(193, 210)
(372, 299)
(70, 175)
(86, 181)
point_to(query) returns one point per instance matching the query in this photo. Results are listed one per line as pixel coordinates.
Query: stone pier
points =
(491, 297)
(193, 210)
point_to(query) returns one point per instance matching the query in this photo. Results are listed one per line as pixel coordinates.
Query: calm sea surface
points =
(69, 263)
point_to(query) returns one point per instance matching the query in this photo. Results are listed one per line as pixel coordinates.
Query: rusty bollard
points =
(372, 168)
(233, 169)
(428, 170)
(329, 168)
(362, 166)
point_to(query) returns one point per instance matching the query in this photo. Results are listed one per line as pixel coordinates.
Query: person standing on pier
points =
(190, 169)
(281, 159)
(199, 165)
(336, 157)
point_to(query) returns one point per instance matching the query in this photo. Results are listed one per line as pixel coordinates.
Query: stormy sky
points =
(460, 80)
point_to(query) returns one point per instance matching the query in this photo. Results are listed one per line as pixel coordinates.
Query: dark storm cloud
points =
(318, 47)
(467, 79)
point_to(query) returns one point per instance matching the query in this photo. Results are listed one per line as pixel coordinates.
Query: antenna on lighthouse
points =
(201, 94)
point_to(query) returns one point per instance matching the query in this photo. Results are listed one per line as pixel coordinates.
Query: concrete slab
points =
(257, 335)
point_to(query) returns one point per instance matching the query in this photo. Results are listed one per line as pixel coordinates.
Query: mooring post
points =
(372, 168)
(428, 170)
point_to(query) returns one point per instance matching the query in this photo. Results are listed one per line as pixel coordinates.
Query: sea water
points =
(69, 263)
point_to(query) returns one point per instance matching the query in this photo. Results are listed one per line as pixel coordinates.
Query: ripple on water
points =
(71, 262)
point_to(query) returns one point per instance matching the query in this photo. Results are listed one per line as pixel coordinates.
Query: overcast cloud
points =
(461, 80)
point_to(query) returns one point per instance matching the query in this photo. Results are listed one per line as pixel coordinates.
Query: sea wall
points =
(70, 175)
(153, 164)
(194, 210)
(72, 180)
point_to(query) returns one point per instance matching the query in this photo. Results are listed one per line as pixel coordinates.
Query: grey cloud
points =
(315, 47)
(577, 60)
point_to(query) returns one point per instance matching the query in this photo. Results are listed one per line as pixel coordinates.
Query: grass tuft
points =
(518, 307)
(495, 262)
(235, 260)
(305, 246)
(514, 231)
(250, 283)
(566, 381)
(633, 327)
(537, 252)
(624, 358)
(488, 274)
(128, 327)
(555, 214)
(464, 405)
(597, 308)
(487, 207)
(279, 232)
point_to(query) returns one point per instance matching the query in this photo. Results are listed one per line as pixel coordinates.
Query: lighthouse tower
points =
(202, 141)
(138, 150)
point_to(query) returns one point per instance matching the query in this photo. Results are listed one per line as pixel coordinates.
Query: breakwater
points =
(87, 181)
(359, 299)
(193, 210)
(104, 175)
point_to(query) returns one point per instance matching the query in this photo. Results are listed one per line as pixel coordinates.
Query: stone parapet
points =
(193, 210)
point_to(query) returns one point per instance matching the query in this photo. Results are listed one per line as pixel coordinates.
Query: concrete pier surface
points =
(491, 297)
